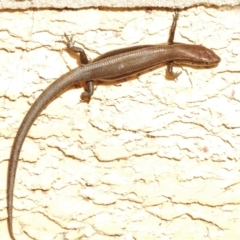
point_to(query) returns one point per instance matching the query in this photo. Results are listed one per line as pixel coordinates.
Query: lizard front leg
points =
(169, 72)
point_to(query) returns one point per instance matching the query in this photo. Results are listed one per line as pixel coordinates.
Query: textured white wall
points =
(76, 4)
(147, 158)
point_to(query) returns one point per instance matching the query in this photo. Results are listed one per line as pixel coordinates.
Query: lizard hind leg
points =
(89, 88)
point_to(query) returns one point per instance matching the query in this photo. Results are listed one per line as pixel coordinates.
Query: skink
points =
(111, 66)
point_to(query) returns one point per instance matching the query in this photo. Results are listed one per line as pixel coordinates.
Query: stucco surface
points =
(77, 4)
(146, 158)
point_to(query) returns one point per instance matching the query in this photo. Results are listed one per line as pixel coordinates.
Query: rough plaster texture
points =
(147, 158)
(76, 4)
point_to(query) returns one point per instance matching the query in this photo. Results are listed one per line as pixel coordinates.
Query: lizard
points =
(111, 66)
